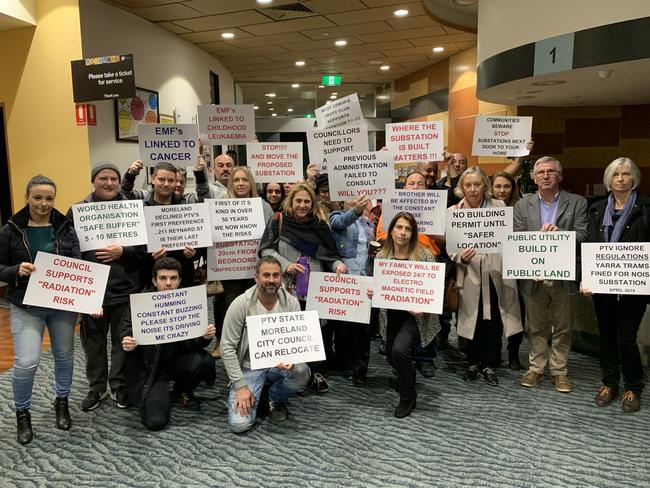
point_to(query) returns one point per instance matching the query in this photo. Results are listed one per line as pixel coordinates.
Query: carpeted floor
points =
(461, 435)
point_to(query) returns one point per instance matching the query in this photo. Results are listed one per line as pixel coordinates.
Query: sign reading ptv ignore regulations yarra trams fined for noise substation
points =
(416, 141)
(616, 268)
(371, 173)
(275, 162)
(325, 143)
(173, 143)
(340, 297)
(234, 260)
(540, 255)
(484, 229)
(429, 207)
(344, 111)
(66, 283)
(176, 226)
(501, 135)
(226, 124)
(236, 219)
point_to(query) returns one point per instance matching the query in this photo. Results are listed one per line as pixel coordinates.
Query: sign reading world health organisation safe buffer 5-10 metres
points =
(540, 255)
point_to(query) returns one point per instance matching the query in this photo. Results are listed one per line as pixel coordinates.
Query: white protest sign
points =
(169, 316)
(176, 226)
(236, 219)
(101, 223)
(416, 141)
(344, 111)
(429, 207)
(409, 285)
(324, 143)
(481, 228)
(539, 256)
(339, 297)
(172, 143)
(501, 135)
(66, 283)
(616, 268)
(370, 173)
(226, 124)
(234, 260)
(289, 338)
(275, 162)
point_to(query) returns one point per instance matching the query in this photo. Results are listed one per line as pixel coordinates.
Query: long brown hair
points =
(515, 195)
(316, 209)
(414, 250)
(249, 176)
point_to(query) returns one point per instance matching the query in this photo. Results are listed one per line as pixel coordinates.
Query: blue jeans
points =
(283, 385)
(27, 328)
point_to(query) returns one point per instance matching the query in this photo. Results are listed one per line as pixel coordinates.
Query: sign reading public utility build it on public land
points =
(540, 255)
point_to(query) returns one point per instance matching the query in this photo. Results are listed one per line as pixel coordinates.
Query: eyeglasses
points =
(550, 173)
(324, 192)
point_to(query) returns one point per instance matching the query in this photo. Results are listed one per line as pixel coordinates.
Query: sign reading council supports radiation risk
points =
(288, 338)
(616, 268)
(340, 297)
(408, 285)
(66, 283)
(233, 260)
(226, 124)
(236, 219)
(172, 143)
(429, 207)
(344, 111)
(484, 229)
(275, 163)
(370, 173)
(176, 226)
(540, 255)
(324, 144)
(415, 141)
(169, 316)
(501, 135)
(103, 78)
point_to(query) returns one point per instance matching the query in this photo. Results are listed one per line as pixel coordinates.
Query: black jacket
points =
(637, 228)
(14, 249)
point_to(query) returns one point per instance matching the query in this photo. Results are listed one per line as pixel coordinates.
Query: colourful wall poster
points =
(129, 112)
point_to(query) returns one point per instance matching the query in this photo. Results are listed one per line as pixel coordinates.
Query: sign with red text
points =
(540, 256)
(429, 207)
(176, 226)
(416, 141)
(497, 135)
(275, 162)
(340, 297)
(343, 111)
(408, 285)
(64, 283)
(288, 338)
(369, 173)
(171, 143)
(236, 219)
(484, 229)
(169, 316)
(234, 260)
(325, 143)
(616, 268)
(226, 124)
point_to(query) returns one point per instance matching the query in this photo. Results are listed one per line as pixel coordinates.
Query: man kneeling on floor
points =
(267, 296)
(149, 369)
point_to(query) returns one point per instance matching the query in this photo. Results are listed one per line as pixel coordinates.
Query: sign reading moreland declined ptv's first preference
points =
(176, 226)
(409, 285)
(288, 338)
(484, 229)
(616, 268)
(66, 283)
(236, 219)
(540, 256)
(275, 162)
(429, 207)
(501, 135)
(172, 143)
(416, 141)
(169, 316)
(115, 222)
(103, 78)
(340, 297)
(233, 260)
(344, 111)
(226, 124)
(325, 143)
(370, 173)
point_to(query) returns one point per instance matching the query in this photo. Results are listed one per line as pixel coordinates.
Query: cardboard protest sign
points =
(539, 255)
(370, 173)
(429, 207)
(275, 163)
(416, 141)
(339, 297)
(409, 285)
(169, 316)
(236, 219)
(501, 135)
(64, 283)
(116, 222)
(176, 226)
(172, 143)
(481, 228)
(103, 78)
(344, 111)
(226, 124)
(288, 338)
(616, 268)
(234, 260)
(325, 143)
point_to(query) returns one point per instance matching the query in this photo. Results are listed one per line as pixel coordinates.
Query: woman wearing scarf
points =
(623, 217)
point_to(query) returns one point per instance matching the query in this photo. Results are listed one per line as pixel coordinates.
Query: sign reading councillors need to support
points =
(501, 136)
(484, 229)
(175, 226)
(324, 144)
(226, 124)
(616, 268)
(173, 143)
(415, 141)
(540, 255)
(275, 163)
(339, 297)
(371, 173)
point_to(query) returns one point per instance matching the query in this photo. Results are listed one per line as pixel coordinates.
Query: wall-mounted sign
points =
(103, 78)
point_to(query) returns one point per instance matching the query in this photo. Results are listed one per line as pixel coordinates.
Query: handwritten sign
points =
(370, 173)
(429, 207)
(66, 283)
(484, 229)
(226, 124)
(501, 135)
(616, 268)
(339, 297)
(172, 143)
(234, 260)
(325, 143)
(169, 316)
(176, 226)
(344, 111)
(275, 163)
(236, 219)
(416, 141)
(539, 256)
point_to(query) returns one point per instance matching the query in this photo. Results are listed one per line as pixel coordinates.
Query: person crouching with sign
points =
(267, 296)
(149, 369)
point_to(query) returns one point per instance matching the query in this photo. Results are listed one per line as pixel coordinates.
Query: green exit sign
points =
(309, 116)
(331, 80)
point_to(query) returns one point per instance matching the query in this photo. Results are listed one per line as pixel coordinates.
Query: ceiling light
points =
(271, 95)
(269, 103)
(227, 35)
(295, 85)
(438, 49)
(340, 43)
(274, 115)
(382, 97)
(385, 67)
(271, 109)
(321, 86)
(401, 12)
(335, 93)
(300, 63)
(256, 107)
(264, 2)
(548, 83)
(332, 97)
(289, 110)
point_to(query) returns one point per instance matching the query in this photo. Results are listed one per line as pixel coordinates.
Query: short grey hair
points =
(547, 159)
(474, 170)
(611, 169)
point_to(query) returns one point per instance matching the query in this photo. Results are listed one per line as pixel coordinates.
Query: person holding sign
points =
(549, 210)
(128, 182)
(488, 303)
(223, 165)
(624, 216)
(455, 165)
(37, 227)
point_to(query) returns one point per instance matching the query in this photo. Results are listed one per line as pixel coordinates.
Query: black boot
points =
(404, 407)
(63, 420)
(24, 433)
